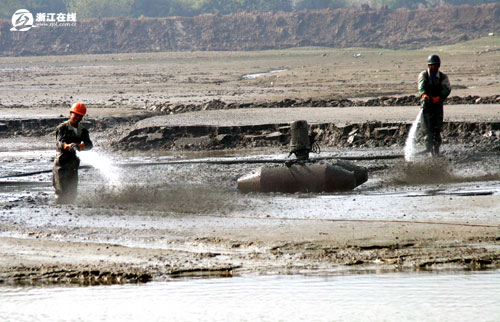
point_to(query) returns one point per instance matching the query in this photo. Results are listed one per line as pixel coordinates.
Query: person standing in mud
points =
(71, 136)
(433, 87)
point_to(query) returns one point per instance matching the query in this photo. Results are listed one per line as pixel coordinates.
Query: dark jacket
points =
(65, 133)
(439, 86)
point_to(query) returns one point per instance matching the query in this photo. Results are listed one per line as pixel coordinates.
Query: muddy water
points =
(166, 206)
(466, 296)
(438, 191)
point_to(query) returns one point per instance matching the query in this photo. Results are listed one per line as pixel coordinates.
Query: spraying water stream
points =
(411, 141)
(102, 163)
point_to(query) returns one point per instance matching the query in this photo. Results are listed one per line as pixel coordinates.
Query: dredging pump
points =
(303, 174)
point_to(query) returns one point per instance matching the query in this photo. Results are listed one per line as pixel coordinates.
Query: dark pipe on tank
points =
(300, 144)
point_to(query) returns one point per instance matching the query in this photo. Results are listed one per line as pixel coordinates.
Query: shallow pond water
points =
(423, 296)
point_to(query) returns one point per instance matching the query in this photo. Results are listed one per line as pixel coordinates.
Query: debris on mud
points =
(398, 256)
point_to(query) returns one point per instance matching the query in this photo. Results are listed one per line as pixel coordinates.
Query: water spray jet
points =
(102, 163)
(411, 142)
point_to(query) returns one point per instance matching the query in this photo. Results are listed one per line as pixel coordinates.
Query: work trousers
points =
(433, 124)
(65, 177)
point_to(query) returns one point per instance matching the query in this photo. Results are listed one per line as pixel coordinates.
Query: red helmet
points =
(79, 108)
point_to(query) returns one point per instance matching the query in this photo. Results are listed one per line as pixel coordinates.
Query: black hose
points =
(27, 174)
(226, 162)
(279, 161)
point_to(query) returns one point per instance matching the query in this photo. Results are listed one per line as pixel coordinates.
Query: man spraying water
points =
(71, 137)
(433, 87)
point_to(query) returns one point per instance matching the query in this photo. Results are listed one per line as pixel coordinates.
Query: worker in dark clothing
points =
(434, 87)
(71, 136)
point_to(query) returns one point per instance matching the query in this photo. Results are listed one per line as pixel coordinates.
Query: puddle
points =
(256, 75)
(444, 296)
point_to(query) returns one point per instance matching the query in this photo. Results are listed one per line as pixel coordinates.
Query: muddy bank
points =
(485, 136)
(272, 246)
(365, 127)
(254, 31)
(69, 275)
(44, 126)
(409, 100)
(192, 131)
(188, 220)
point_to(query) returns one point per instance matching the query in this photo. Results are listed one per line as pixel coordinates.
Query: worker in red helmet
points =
(71, 137)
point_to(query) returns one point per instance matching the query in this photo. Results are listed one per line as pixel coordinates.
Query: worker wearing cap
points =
(434, 87)
(71, 136)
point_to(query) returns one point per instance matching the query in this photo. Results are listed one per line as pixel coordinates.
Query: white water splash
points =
(411, 141)
(102, 163)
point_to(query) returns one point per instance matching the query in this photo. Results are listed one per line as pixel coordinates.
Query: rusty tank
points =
(306, 177)
(302, 174)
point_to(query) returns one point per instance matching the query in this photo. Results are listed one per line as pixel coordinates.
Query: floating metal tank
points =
(301, 174)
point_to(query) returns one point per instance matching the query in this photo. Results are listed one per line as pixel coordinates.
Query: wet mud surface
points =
(176, 211)
(172, 220)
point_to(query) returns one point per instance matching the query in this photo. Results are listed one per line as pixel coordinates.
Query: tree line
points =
(189, 8)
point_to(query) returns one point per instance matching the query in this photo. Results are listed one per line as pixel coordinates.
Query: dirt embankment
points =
(485, 135)
(155, 133)
(410, 100)
(44, 126)
(372, 134)
(253, 31)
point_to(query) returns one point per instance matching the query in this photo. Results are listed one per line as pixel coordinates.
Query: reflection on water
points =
(473, 296)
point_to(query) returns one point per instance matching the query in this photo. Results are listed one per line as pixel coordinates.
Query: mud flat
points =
(312, 75)
(187, 219)
(175, 220)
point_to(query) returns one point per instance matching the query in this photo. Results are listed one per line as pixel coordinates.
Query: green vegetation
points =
(165, 8)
